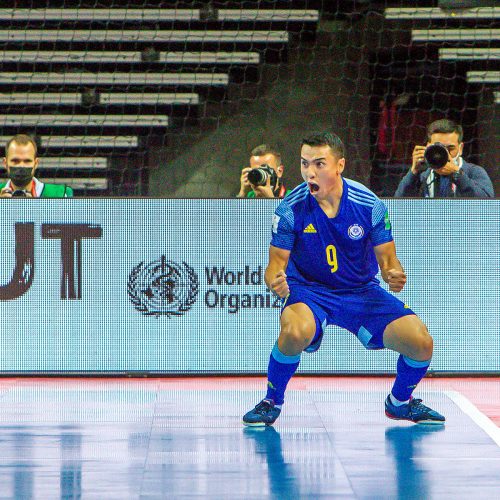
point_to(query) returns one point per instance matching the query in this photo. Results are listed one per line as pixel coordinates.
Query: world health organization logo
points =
(163, 287)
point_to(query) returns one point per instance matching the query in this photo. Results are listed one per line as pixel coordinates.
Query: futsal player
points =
(329, 237)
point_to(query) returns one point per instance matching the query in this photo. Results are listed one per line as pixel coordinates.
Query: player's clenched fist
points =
(396, 280)
(279, 285)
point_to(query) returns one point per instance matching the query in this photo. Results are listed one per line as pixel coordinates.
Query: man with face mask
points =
(21, 161)
(457, 178)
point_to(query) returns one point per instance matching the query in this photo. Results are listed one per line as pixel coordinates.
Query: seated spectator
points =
(21, 162)
(268, 183)
(456, 178)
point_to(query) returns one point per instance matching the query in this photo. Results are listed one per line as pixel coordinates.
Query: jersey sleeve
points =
(381, 225)
(283, 235)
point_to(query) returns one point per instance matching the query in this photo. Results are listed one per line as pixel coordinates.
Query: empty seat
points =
(102, 78)
(36, 98)
(130, 14)
(138, 14)
(273, 15)
(434, 13)
(483, 76)
(178, 98)
(133, 35)
(455, 35)
(89, 141)
(73, 163)
(127, 57)
(139, 120)
(108, 98)
(472, 54)
(84, 141)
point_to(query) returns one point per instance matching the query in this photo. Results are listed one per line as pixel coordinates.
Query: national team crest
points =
(163, 287)
(355, 232)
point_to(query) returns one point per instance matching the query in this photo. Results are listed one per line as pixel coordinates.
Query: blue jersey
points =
(334, 252)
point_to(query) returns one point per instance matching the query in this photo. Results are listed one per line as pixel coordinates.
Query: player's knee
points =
(425, 344)
(296, 333)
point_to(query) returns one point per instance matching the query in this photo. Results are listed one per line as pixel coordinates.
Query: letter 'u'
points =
(24, 270)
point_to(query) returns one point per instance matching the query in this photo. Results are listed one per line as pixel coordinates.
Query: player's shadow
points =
(282, 480)
(405, 445)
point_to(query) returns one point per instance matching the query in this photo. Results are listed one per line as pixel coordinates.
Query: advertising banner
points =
(177, 286)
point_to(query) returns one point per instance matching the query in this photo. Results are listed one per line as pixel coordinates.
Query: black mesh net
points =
(168, 99)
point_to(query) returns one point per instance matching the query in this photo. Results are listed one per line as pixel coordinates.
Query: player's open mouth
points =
(313, 187)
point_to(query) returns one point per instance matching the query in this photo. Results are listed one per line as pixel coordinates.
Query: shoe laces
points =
(264, 406)
(416, 406)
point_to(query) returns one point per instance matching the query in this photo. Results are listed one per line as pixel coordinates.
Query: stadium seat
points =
(139, 120)
(89, 141)
(455, 35)
(483, 76)
(127, 57)
(73, 76)
(435, 13)
(469, 54)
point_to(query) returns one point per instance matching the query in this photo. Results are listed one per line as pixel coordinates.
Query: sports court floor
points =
(118, 438)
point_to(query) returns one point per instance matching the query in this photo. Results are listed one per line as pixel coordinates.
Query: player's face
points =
(21, 155)
(267, 159)
(321, 168)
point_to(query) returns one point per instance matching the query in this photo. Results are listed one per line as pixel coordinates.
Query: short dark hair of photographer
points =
(445, 126)
(265, 149)
(326, 139)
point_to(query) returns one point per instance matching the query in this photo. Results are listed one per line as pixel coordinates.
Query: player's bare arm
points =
(390, 267)
(275, 276)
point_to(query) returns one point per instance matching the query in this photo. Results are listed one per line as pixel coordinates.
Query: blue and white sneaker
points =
(265, 413)
(414, 411)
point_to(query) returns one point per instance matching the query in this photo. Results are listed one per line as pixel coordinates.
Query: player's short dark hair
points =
(326, 139)
(445, 126)
(266, 149)
(22, 140)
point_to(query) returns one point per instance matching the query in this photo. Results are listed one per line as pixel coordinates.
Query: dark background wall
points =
(322, 86)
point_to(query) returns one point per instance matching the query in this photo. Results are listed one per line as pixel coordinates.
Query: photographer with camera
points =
(21, 161)
(263, 178)
(439, 171)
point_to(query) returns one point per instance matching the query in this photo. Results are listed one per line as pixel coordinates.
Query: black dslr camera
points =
(19, 193)
(436, 155)
(258, 176)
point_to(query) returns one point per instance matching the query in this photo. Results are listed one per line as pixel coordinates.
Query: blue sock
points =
(280, 370)
(410, 373)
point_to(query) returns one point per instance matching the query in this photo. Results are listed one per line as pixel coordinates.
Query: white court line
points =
(479, 417)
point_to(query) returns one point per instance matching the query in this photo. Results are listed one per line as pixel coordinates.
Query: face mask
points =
(20, 176)
(456, 160)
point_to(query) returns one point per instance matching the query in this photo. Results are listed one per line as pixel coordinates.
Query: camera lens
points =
(257, 177)
(436, 155)
(18, 193)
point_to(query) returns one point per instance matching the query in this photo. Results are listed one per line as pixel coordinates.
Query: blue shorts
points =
(366, 312)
